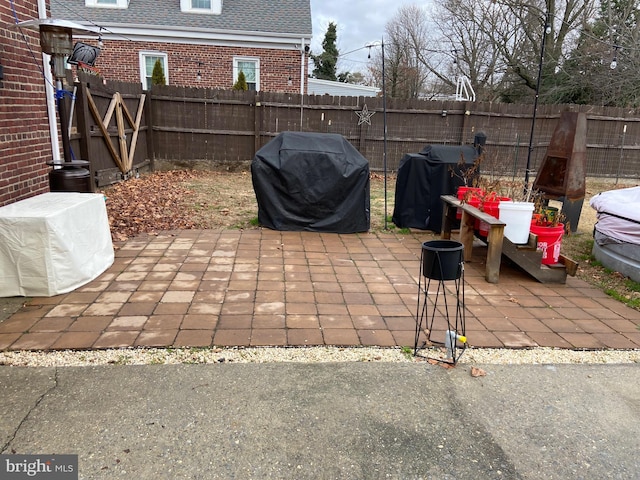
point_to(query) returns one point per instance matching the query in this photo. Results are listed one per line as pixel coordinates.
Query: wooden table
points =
(467, 223)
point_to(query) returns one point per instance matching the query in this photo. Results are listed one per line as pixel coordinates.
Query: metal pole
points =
(384, 123)
(71, 110)
(302, 70)
(64, 120)
(515, 160)
(535, 101)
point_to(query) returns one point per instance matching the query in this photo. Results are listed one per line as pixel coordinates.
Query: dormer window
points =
(107, 3)
(213, 7)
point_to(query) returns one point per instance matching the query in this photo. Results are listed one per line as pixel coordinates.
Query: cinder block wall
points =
(25, 144)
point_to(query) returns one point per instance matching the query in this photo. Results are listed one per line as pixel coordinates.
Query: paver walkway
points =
(263, 287)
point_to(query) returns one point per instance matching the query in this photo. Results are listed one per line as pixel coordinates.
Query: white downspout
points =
(49, 92)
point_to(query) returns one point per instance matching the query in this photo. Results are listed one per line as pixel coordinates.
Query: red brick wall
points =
(25, 144)
(119, 60)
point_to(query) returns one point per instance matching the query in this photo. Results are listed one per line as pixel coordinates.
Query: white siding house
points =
(340, 89)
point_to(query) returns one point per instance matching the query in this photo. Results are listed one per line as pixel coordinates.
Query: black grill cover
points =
(311, 181)
(422, 178)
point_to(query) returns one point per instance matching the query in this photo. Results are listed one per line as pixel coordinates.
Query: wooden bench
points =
(526, 256)
(495, 234)
(529, 258)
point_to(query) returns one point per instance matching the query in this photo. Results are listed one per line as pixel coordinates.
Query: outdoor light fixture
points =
(199, 73)
(614, 62)
(56, 39)
(58, 42)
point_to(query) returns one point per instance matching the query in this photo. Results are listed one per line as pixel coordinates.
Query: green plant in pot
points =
(546, 216)
(547, 224)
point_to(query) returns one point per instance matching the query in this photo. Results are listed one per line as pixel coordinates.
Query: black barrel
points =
(73, 176)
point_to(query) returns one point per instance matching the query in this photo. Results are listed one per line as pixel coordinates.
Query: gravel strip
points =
(168, 356)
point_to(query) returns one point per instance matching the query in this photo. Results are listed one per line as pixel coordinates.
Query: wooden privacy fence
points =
(177, 127)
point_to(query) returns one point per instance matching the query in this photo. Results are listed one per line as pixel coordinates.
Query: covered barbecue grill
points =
(422, 178)
(311, 181)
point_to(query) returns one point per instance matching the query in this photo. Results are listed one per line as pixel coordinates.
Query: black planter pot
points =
(442, 259)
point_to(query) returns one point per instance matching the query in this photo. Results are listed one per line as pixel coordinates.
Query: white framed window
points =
(147, 63)
(212, 7)
(251, 68)
(107, 3)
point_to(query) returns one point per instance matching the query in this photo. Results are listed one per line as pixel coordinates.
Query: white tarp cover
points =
(619, 214)
(53, 243)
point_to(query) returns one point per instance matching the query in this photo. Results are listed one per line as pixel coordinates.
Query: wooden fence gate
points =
(112, 130)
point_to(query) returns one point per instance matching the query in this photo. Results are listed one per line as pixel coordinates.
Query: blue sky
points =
(359, 22)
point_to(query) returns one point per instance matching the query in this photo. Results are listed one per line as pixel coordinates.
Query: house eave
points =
(200, 36)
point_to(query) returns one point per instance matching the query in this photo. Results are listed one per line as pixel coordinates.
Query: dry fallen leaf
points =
(440, 363)
(148, 204)
(478, 372)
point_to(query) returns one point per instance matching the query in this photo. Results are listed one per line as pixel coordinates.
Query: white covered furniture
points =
(617, 231)
(53, 243)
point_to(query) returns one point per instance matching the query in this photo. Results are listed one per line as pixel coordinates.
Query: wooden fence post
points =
(465, 121)
(257, 122)
(148, 113)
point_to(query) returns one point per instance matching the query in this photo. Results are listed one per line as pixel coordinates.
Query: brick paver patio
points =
(269, 288)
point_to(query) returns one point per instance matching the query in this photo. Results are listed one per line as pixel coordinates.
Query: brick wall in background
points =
(25, 143)
(120, 60)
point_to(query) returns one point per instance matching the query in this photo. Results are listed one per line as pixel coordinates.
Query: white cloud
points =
(358, 23)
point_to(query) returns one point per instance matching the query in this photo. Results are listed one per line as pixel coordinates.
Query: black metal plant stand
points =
(441, 261)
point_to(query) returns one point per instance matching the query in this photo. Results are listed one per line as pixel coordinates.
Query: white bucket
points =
(517, 216)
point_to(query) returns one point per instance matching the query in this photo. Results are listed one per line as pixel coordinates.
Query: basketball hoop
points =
(85, 67)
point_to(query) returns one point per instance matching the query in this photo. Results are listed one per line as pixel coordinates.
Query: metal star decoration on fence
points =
(365, 115)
